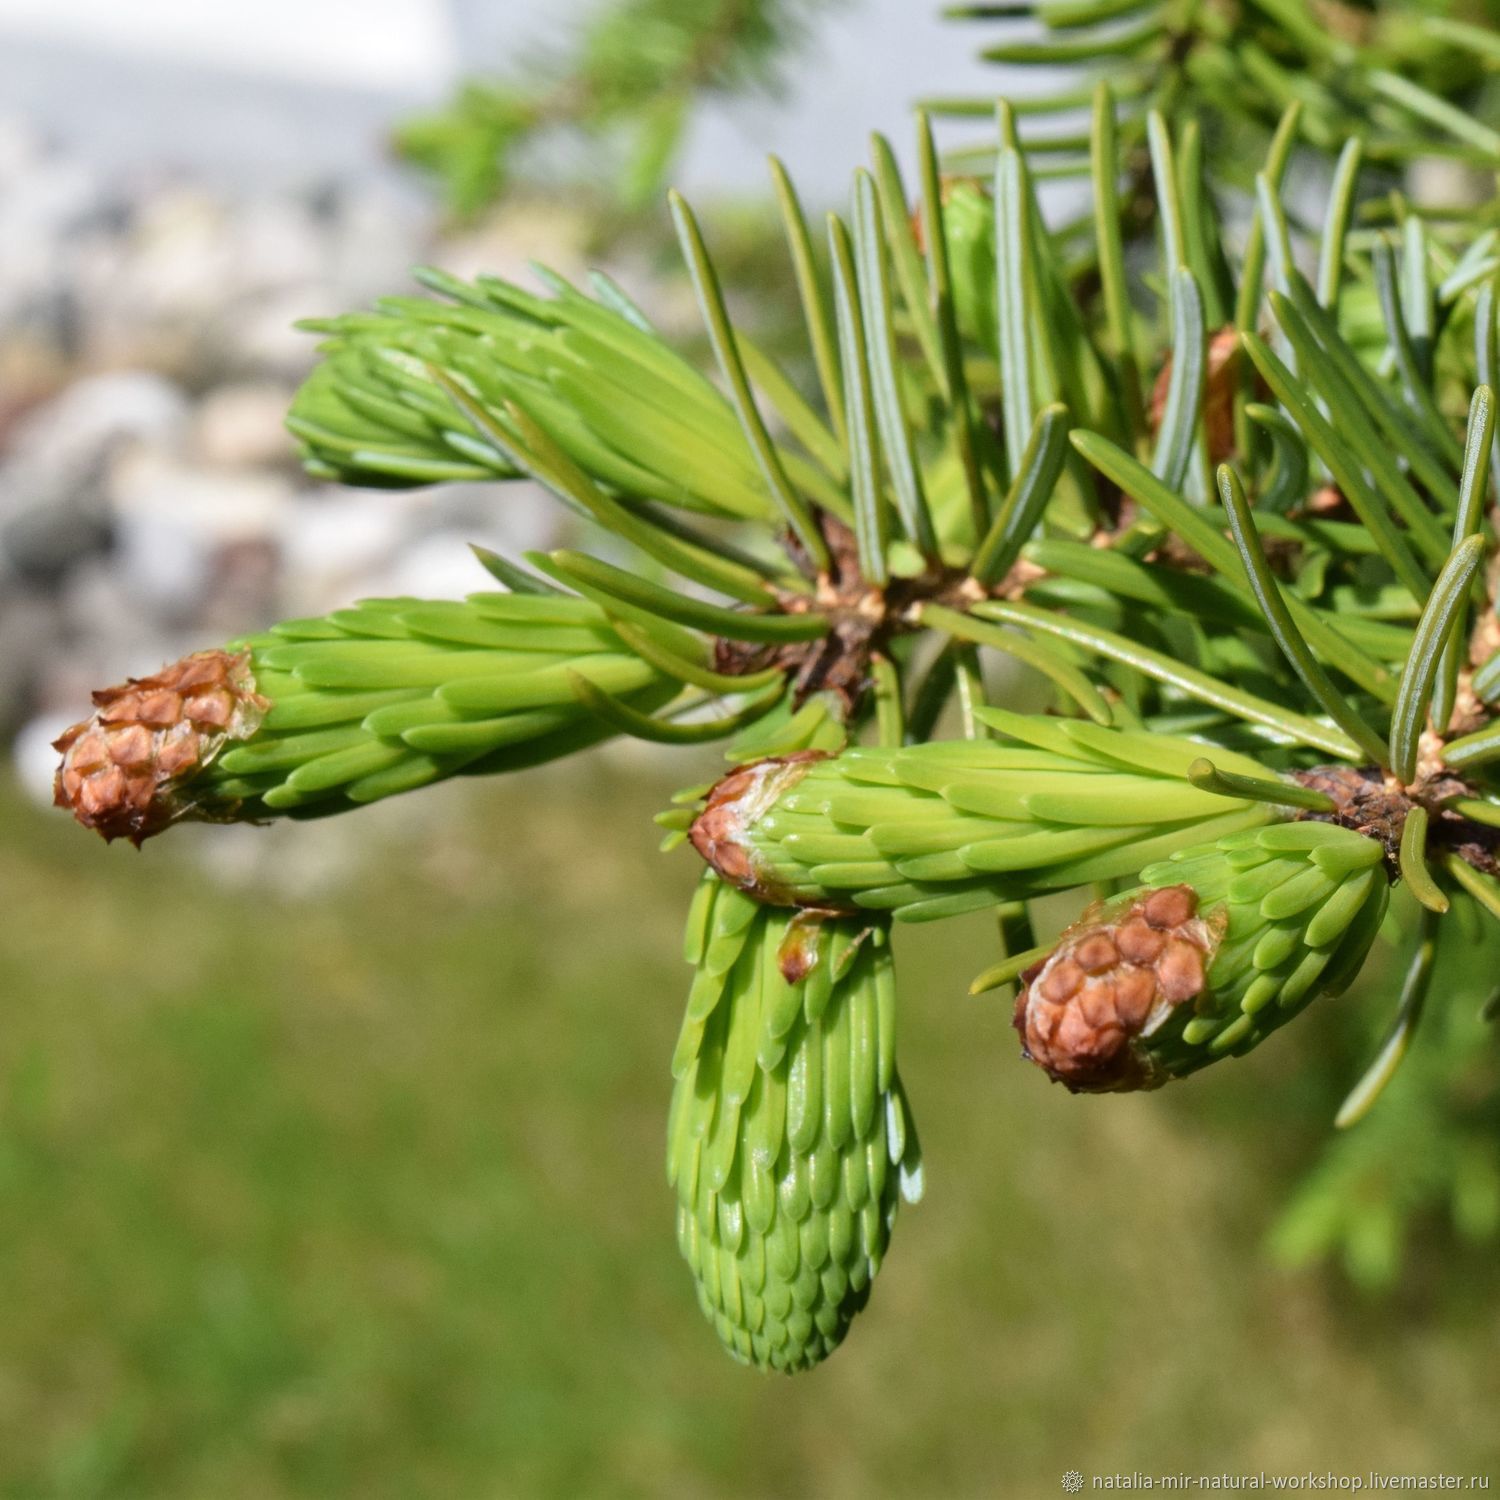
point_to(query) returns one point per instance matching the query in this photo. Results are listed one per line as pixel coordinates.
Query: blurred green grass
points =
(358, 1191)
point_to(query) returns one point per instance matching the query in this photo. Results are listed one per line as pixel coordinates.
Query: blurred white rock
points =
(277, 242)
(162, 564)
(222, 504)
(374, 235)
(29, 619)
(513, 517)
(42, 204)
(173, 521)
(333, 540)
(259, 335)
(243, 425)
(97, 409)
(55, 482)
(112, 630)
(436, 566)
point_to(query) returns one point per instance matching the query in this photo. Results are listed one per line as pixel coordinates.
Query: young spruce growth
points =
(1147, 554)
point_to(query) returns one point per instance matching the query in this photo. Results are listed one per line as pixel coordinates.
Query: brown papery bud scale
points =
(1113, 977)
(123, 767)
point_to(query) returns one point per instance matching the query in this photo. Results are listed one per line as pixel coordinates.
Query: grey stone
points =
(55, 503)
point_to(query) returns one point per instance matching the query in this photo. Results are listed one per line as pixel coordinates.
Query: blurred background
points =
(331, 1156)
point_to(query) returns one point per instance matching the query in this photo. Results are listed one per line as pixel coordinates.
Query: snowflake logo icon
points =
(1072, 1481)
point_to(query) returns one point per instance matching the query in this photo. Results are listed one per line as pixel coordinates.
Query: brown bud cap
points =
(122, 768)
(799, 951)
(732, 807)
(1114, 976)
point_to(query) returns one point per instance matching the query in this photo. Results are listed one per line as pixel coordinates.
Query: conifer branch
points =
(1268, 703)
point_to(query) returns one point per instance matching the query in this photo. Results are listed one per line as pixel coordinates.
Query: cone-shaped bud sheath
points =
(1219, 946)
(420, 391)
(123, 768)
(789, 1144)
(320, 715)
(930, 830)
